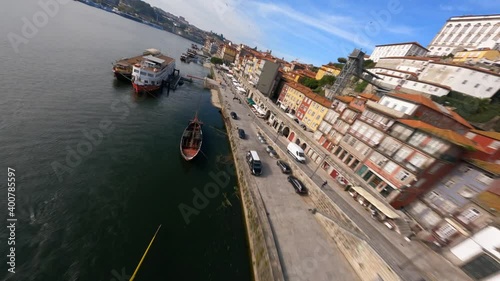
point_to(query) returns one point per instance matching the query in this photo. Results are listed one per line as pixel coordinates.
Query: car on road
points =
(241, 133)
(299, 187)
(262, 140)
(284, 167)
(273, 154)
(233, 115)
(269, 148)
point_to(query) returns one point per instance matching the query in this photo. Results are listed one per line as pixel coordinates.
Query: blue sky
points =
(321, 31)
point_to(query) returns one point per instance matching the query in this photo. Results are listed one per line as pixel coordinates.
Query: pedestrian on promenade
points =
(324, 184)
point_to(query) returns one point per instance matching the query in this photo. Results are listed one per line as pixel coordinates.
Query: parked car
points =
(273, 154)
(262, 140)
(299, 187)
(241, 133)
(269, 148)
(284, 167)
(233, 115)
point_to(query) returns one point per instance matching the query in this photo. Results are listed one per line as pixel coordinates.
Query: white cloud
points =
(220, 16)
(333, 25)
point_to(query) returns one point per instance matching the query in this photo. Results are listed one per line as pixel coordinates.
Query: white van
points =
(297, 152)
(254, 163)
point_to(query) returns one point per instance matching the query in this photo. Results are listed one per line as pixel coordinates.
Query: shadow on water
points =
(120, 84)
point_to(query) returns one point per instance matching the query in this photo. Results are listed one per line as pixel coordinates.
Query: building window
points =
(466, 192)
(476, 86)
(390, 167)
(403, 175)
(484, 179)
(449, 183)
(489, 89)
(494, 145)
(446, 231)
(464, 82)
(469, 215)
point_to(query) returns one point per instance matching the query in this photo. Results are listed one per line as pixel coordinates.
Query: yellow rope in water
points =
(145, 253)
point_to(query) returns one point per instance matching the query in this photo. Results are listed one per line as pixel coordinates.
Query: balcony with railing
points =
(359, 136)
(399, 135)
(386, 110)
(374, 123)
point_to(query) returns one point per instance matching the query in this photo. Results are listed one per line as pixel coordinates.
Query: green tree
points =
(360, 86)
(342, 60)
(368, 64)
(216, 60)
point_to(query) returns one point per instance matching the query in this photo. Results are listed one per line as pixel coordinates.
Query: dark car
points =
(284, 167)
(274, 154)
(233, 115)
(269, 148)
(297, 185)
(241, 133)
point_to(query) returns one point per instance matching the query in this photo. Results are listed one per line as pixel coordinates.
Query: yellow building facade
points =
(317, 110)
(327, 70)
(294, 96)
(476, 55)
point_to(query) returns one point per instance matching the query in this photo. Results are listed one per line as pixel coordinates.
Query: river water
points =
(98, 169)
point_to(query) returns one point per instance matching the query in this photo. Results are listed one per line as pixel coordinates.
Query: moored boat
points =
(149, 74)
(191, 139)
(122, 68)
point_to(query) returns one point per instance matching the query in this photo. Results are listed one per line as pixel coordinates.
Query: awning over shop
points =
(250, 101)
(241, 89)
(375, 202)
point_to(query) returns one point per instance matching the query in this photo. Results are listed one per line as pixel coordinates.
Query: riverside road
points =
(410, 260)
(303, 245)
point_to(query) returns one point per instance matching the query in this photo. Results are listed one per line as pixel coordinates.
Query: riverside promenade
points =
(409, 260)
(295, 246)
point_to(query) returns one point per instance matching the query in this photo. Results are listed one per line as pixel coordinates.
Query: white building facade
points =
(467, 32)
(398, 50)
(436, 78)
(472, 81)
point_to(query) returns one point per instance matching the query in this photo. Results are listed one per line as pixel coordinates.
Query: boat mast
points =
(144, 255)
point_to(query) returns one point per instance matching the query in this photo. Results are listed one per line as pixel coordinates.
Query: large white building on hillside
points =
(472, 81)
(398, 50)
(424, 75)
(466, 32)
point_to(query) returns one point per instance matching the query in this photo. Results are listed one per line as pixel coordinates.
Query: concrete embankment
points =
(264, 253)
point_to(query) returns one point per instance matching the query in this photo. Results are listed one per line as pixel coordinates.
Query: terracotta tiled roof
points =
(420, 99)
(346, 99)
(492, 135)
(323, 101)
(405, 43)
(487, 166)
(448, 135)
(301, 88)
(368, 96)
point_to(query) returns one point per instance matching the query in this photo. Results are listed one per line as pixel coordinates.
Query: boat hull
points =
(191, 140)
(138, 89)
(125, 77)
